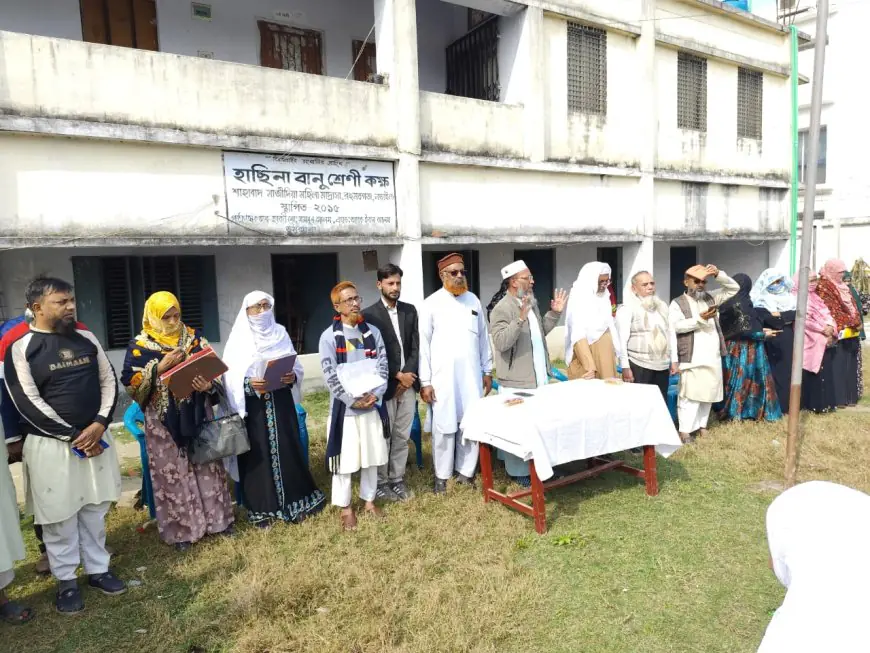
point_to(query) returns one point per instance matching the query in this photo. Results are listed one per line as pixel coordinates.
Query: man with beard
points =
(398, 324)
(358, 424)
(647, 346)
(519, 340)
(694, 317)
(455, 369)
(63, 385)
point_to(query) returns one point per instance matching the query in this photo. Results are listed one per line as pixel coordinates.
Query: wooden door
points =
(366, 61)
(125, 23)
(290, 48)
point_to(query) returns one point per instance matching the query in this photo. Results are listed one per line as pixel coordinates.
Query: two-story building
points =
(213, 148)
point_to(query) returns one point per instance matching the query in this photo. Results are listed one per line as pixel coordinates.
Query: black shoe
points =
(522, 481)
(385, 493)
(229, 531)
(464, 480)
(107, 583)
(69, 598)
(401, 491)
(440, 486)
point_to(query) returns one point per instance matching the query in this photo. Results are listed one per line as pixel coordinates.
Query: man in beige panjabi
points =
(694, 317)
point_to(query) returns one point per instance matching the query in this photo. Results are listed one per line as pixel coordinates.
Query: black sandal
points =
(15, 614)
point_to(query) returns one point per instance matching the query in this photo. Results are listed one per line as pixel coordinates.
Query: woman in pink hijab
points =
(818, 387)
(837, 296)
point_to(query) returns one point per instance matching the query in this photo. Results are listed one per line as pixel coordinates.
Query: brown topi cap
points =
(450, 259)
(698, 272)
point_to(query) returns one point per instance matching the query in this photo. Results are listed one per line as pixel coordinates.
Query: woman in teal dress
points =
(750, 391)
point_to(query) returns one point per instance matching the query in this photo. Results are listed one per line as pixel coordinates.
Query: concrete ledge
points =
(714, 178)
(723, 55)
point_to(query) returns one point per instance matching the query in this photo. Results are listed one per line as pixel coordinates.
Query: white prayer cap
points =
(514, 268)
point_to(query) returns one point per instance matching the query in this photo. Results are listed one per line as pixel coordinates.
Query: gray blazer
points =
(512, 343)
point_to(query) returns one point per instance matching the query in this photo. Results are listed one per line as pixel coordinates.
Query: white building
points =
(652, 134)
(842, 207)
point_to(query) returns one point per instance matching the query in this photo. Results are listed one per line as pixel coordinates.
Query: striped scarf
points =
(336, 425)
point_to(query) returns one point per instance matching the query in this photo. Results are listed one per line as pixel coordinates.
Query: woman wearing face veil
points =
(776, 307)
(819, 535)
(191, 501)
(750, 392)
(276, 482)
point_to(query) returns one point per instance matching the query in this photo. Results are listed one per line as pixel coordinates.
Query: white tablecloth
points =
(574, 420)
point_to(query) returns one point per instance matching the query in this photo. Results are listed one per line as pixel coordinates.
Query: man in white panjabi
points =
(63, 385)
(358, 425)
(700, 346)
(455, 369)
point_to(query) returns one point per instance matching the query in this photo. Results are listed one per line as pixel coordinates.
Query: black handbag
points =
(222, 436)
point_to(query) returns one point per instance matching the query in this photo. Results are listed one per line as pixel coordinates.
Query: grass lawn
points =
(618, 571)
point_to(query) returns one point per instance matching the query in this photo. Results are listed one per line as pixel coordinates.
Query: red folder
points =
(203, 363)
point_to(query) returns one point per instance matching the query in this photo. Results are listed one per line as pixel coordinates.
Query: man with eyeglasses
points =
(694, 317)
(358, 421)
(522, 360)
(455, 369)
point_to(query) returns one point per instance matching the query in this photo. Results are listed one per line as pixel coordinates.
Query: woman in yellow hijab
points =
(191, 501)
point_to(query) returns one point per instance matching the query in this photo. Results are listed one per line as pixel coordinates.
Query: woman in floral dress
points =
(191, 501)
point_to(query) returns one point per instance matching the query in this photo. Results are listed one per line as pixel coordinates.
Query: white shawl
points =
(589, 314)
(255, 338)
(819, 537)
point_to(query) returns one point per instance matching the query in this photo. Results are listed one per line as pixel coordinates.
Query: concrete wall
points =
(687, 20)
(613, 138)
(465, 126)
(719, 150)
(439, 23)
(687, 209)
(456, 201)
(68, 79)
(60, 187)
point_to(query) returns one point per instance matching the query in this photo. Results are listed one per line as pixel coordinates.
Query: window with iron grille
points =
(587, 69)
(691, 92)
(750, 87)
(472, 64)
(118, 291)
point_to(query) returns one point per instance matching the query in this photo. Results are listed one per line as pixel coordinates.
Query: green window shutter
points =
(197, 292)
(90, 299)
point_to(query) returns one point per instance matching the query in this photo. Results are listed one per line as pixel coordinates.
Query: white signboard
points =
(292, 195)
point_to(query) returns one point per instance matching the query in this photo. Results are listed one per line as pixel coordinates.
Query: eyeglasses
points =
(262, 307)
(531, 277)
(352, 300)
(456, 273)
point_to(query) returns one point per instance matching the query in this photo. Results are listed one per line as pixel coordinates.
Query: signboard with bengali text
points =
(295, 195)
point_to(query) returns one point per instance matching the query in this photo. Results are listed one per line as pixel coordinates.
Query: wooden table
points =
(537, 509)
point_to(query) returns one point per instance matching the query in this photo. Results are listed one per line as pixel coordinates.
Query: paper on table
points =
(360, 377)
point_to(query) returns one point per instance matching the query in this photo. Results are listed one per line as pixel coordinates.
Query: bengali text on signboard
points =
(293, 195)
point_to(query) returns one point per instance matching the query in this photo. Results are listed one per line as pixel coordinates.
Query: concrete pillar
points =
(648, 135)
(521, 71)
(396, 44)
(408, 256)
(778, 255)
(636, 257)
